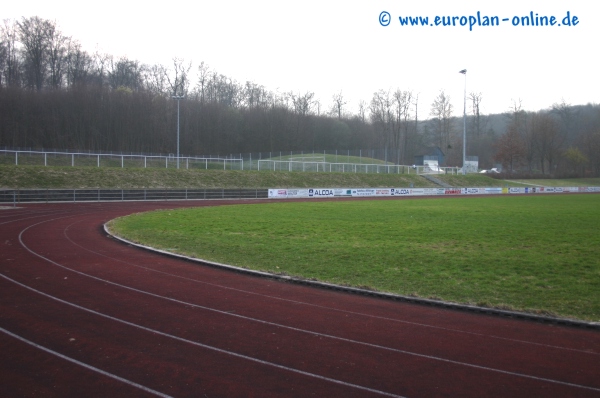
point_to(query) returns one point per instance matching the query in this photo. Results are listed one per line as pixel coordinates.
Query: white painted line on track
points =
(36, 216)
(327, 308)
(195, 343)
(517, 374)
(85, 365)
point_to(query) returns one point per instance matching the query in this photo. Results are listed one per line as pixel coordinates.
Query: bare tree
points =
(403, 102)
(178, 78)
(222, 90)
(101, 65)
(303, 103)
(156, 79)
(10, 64)
(549, 140)
(57, 56)
(79, 65)
(125, 73)
(33, 34)
(338, 105)
(201, 86)
(382, 117)
(591, 141)
(475, 99)
(568, 116)
(518, 120)
(510, 149)
(441, 110)
(362, 109)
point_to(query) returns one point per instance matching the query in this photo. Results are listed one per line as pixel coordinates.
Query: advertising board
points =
(283, 193)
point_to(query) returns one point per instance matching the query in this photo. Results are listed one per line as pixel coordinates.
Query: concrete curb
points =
(371, 293)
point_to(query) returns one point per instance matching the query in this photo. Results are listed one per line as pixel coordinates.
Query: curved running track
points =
(83, 315)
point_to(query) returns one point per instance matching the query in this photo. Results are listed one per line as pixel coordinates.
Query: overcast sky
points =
(332, 46)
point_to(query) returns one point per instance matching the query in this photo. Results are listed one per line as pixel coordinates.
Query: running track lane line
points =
(219, 350)
(85, 365)
(276, 325)
(320, 306)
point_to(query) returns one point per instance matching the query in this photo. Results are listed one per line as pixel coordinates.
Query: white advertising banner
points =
(379, 192)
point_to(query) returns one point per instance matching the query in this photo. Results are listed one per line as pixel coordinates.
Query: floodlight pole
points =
(464, 171)
(178, 98)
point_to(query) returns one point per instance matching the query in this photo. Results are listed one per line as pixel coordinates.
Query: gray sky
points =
(332, 46)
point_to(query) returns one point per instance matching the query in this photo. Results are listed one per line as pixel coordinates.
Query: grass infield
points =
(539, 254)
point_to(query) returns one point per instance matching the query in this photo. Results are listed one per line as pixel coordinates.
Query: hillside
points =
(22, 177)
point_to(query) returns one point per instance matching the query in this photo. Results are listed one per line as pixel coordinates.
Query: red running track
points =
(84, 315)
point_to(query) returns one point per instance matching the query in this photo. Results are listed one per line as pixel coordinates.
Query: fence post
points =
(45, 159)
(16, 158)
(98, 160)
(72, 160)
(122, 162)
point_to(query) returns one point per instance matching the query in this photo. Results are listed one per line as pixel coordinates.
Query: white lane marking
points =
(36, 216)
(331, 308)
(292, 328)
(85, 365)
(195, 343)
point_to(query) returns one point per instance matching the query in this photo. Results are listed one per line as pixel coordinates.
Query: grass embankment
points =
(67, 177)
(130, 178)
(538, 254)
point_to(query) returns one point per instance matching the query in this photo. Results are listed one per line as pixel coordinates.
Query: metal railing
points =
(330, 167)
(46, 158)
(18, 196)
(313, 162)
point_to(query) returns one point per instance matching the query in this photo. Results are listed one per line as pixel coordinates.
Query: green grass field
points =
(537, 253)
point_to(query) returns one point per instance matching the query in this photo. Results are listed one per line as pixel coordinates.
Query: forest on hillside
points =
(56, 94)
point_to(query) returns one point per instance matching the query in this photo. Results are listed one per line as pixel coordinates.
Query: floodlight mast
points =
(178, 98)
(464, 171)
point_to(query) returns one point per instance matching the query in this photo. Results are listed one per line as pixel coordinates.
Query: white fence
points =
(116, 160)
(328, 167)
(301, 163)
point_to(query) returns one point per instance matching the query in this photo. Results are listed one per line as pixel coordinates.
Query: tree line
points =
(55, 94)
